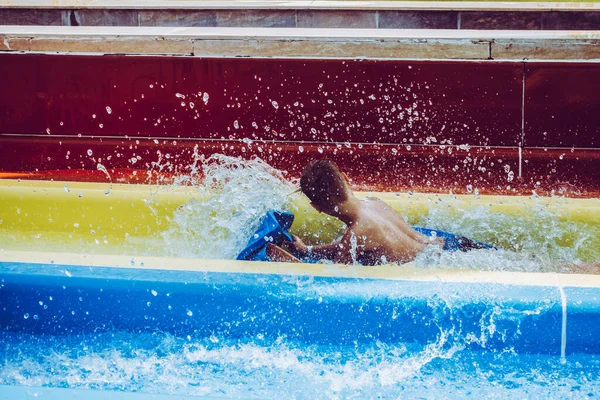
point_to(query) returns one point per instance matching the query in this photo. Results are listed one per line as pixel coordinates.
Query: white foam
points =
(238, 194)
(159, 363)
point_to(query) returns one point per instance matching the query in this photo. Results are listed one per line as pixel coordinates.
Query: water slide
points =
(136, 162)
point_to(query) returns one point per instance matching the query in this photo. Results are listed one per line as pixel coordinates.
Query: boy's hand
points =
(298, 247)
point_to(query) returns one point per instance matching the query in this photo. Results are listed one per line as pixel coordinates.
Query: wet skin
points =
(376, 234)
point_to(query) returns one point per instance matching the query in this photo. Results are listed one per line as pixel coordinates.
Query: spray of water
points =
(236, 195)
(540, 243)
(159, 363)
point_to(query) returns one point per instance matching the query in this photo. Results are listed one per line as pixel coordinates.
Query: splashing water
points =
(160, 363)
(539, 243)
(238, 194)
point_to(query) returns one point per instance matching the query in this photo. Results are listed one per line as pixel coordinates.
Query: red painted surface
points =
(401, 125)
(371, 167)
(574, 172)
(562, 105)
(356, 101)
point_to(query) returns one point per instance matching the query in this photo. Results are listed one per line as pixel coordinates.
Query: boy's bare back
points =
(380, 235)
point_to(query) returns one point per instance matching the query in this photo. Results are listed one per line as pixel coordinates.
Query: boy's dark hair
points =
(323, 183)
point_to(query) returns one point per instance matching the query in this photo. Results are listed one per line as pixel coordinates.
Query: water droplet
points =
(510, 176)
(79, 194)
(102, 168)
(205, 98)
(275, 104)
(190, 313)
(94, 116)
(67, 188)
(179, 95)
(154, 292)
(320, 150)
(108, 110)
(301, 149)
(236, 125)
(90, 152)
(26, 315)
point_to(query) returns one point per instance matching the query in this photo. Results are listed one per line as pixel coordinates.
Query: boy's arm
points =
(277, 254)
(328, 251)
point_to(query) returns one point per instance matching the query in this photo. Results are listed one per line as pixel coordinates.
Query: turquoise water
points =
(260, 368)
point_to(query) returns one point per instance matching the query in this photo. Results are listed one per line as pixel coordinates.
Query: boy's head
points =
(324, 184)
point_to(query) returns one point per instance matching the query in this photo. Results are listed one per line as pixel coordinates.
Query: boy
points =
(376, 233)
